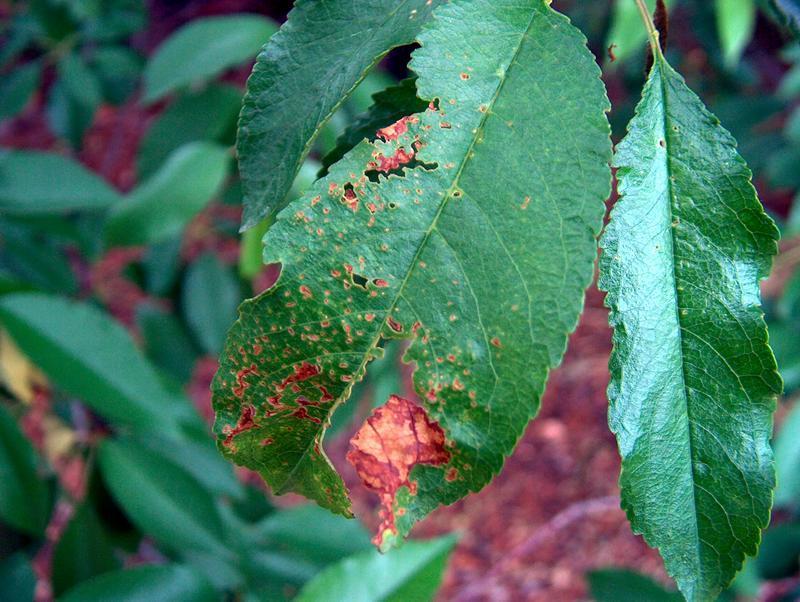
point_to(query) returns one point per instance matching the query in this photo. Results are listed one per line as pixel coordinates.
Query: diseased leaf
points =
(332, 46)
(33, 182)
(413, 572)
(388, 106)
(202, 49)
(411, 237)
(162, 206)
(693, 381)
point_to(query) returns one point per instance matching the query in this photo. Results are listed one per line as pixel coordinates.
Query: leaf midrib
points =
(414, 261)
(663, 71)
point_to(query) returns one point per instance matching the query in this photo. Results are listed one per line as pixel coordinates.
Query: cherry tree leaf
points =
(468, 228)
(302, 75)
(693, 380)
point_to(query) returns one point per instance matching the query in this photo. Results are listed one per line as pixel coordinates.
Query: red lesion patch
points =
(397, 129)
(394, 439)
(245, 423)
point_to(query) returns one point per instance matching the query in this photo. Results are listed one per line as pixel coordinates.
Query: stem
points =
(652, 32)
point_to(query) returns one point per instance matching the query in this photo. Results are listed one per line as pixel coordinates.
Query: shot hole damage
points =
(395, 438)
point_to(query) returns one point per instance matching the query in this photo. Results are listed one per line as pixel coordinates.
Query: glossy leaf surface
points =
(693, 381)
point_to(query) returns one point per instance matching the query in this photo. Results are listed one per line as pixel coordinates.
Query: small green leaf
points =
(82, 551)
(87, 354)
(693, 380)
(779, 557)
(736, 21)
(118, 69)
(627, 34)
(787, 460)
(412, 572)
(24, 497)
(17, 88)
(209, 299)
(33, 182)
(143, 583)
(202, 49)
(617, 585)
(332, 46)
(206, 115)
(164, 204)
(161, 499)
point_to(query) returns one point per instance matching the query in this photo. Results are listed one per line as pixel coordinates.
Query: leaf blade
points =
(272, 144)
(359, 255)
(682, 257)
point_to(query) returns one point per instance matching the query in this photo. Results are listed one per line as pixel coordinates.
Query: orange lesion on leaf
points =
(245, 423)
(394, 439)
(397, 129)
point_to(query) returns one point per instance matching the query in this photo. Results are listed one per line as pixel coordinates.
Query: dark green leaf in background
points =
(161, 499)
(166, 342)
(82, 551)
(202, 49)
(412, 572)
(787, 459)
(422, 254)
(209, 299)
(17, 578)
(33, 182)
(24, 496)
(332, 46)
(736, 21)
(17, 88)
(164, 204)
(89, 355)
(145, 584)
(206, 115)
(693, 381)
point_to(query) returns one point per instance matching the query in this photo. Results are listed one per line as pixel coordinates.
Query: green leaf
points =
(693, 381)
(616, 585)
(166, 342)
(202, 49)
(787, 460)
(388, 106)
(18, 578)
(82, 551)
(423, 253)
(161, 499)
(627, 34)
(412, 572)
(17, 88)
(209, 298)
(165, 203)
(85, 353)
(332, 46)
(788, 13)
(206, 115)
(144, 584)
(118, 70)
(24, 498)
(736, 21)
(34, 182)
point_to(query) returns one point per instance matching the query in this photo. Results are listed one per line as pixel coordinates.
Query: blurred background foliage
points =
(121, 269)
